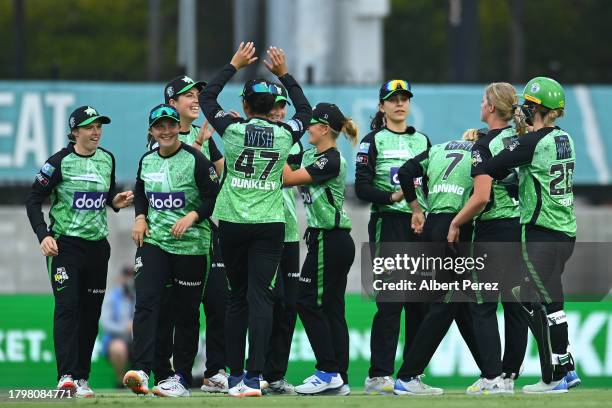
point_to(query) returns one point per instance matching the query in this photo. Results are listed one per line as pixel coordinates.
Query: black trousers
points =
(214, 301)
(285, 313)
(441, 314)
(392, 227)
(78, 279)
(545, 253)
(154, 268)
(252, 255)
(500, 240)
(321, 292)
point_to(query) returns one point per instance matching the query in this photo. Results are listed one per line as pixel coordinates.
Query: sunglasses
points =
(397, 85)
(163, 111)
(267, 88)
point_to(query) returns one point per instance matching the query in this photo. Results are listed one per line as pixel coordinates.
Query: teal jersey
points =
(80, 188)
(167, 188)
(292, 232)
(381, 153)
(503, 202)
(546, 160)
(256, 151)
(324, 198)
(447, 167)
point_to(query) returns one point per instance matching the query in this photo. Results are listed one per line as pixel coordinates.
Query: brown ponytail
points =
(378, 121)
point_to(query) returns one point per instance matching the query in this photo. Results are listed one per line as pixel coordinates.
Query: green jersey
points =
(167, 188)
(79, 187)
(546, 160)
(447, 168)
(256, 151)
(324, 198)
(292, 233)
(503, 201)
(381, 154)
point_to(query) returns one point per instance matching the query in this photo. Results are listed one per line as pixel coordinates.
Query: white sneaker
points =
(415, 387)
(484, 386)
(379, 385)
(319, 382)
(68, 385)
(555, 387)
(83, 390)
(508, 383)
(171, 387)
(216, 383)
(137, 381)
(243, 389)
(281, 386)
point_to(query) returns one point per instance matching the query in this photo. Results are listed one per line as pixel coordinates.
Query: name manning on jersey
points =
(448, 188)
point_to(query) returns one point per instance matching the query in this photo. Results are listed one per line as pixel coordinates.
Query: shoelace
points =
(419, 380)
(83, 384)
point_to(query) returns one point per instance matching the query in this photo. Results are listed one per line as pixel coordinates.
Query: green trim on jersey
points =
(255, 153)
(448, 170)
(546, 184)
(501, 205)
(320, 267)
(393, 150)
(79, 201)
(168, 180)
(324, 202)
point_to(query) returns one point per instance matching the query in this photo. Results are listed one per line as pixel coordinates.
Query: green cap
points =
(546, 92)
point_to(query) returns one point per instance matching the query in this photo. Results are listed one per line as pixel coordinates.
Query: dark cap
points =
(84, 115)
(181, 85)
(283, 97)
(395, 85)
(328, 114)
(255, 86)
(163, 111)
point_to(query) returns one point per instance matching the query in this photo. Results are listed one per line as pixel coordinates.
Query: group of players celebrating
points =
(515, 187)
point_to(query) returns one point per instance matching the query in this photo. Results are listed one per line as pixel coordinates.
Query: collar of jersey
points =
(73, 150)
(496, 132)
(324, 151)
(173, 154)
(409, 130)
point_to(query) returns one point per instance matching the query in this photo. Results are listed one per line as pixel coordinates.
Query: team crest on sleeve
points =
(364, 148)
(47, 169)
(60, 275)
(221, 114)
(513, 144)
(320, 163)
(476, 158)
(213, 174)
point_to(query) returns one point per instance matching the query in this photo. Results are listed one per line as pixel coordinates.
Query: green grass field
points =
(583, 398)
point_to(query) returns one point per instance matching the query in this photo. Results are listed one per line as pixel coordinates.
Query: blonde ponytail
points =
(350, 130)
(471, 135)
(552, 115)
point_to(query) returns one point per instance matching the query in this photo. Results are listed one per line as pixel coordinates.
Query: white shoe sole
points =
(545, 392)
(400, 392)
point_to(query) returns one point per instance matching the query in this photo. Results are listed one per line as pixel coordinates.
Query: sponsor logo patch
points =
(364, 148)
(42, 180)
(362, 159)
(166, 201)
(393, 177)
(320, 163)
(47, 169)
(476, 158)
(88, 200)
